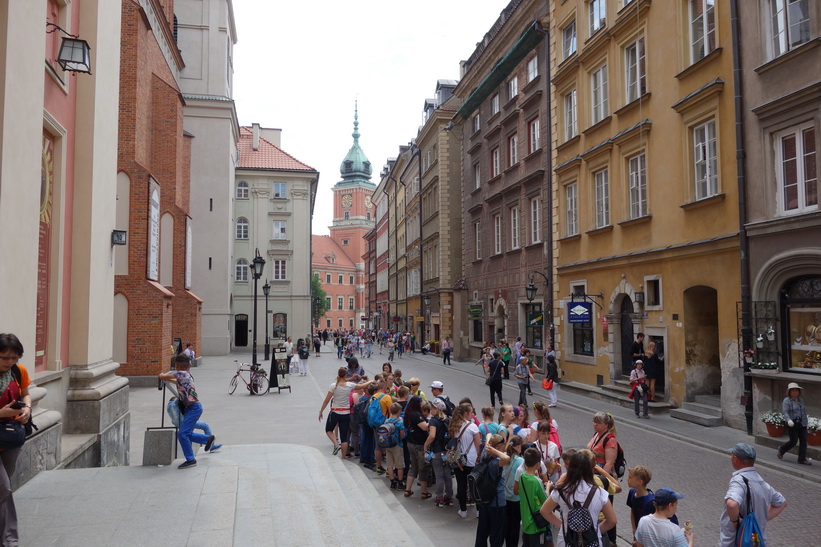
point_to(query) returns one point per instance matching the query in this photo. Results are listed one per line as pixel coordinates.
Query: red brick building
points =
(152, 303)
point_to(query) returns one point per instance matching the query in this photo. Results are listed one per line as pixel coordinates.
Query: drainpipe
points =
(549, 231)
(744, 244)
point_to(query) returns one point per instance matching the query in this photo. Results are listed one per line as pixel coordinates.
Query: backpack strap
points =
(590, 496)
(749, 501)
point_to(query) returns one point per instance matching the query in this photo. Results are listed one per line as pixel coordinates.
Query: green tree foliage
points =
(319, 303)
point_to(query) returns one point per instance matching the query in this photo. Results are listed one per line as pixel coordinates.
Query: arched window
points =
(242, 228)
(242, 190)
(241, 271)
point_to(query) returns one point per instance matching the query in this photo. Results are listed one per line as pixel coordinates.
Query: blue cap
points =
(665, 496)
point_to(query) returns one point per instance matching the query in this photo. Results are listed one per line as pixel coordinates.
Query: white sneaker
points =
(462, 514)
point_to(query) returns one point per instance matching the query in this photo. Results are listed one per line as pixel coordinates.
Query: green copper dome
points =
(355, 168)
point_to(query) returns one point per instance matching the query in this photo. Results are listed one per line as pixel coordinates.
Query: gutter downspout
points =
(549, 232)
(744, 244)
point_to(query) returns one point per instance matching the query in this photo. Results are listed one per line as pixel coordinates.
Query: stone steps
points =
(706, 411)
(614, 394)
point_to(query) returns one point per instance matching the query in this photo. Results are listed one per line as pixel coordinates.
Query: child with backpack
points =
(656, 529)
(436, 441)
(394, 446)
(580, 501)
(530, 489)
(378, 412)
(488, 488)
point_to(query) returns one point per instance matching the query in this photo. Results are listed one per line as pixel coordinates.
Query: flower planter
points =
(774, 430)
(814, 438)
(771, 337)
(765, 370)
(749, 359)
(759, 344)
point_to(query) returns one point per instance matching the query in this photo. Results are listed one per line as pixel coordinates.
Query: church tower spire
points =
(355, 168)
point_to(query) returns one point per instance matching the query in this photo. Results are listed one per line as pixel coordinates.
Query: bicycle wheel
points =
(261, 384)
(232, 386)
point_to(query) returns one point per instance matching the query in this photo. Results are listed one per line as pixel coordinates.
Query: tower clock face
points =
(368, 203)
(347, 200)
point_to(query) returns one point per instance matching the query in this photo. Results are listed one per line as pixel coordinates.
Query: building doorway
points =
(701, 354)
(626, 337)
(241, 330)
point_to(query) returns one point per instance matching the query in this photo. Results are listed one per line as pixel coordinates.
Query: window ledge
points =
(510, 102)
(475, 190)
(497, 178)
(532, 83)
(635, 221)
(642, 99)
(534, 244)
(535, 154)
(570, 238)
(703, 202)
(602, 230)
(698, 64)
(492, 119)
(497, 256)
(568, 143)
(517, 250)
(787, 57)
(598, 124)
(511, 168)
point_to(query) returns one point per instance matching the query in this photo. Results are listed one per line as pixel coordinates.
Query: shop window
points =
(801, 311)
(535, 326)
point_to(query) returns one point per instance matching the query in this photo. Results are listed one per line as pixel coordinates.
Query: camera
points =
(18, 405)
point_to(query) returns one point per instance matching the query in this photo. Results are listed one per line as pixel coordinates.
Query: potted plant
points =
(814, 431)
(765, 368)
(759, 341)
(775, 423)
(749, 355)
(771, 333)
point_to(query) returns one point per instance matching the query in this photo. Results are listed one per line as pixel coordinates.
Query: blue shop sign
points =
(579, 312)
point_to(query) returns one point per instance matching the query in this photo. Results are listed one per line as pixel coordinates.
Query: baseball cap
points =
(744, 452)
(665, 496)
(639, 361)
(439, 403)
(437, 385)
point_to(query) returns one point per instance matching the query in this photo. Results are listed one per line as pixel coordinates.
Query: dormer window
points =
(348, 166)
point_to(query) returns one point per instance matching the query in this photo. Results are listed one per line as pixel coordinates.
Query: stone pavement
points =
(232, 498)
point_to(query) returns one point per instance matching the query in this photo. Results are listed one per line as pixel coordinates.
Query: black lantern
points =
(259, 264)
(530, 291)
(75, 54)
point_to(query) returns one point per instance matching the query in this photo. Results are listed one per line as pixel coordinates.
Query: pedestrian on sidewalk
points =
(766, 501)
(339, 419)
(494, 378)
(187, 392)
(391, 347)
(523, 375)
(640, 392)
(505, 351)
(795, 412)
(14, 380)
(302, 354)
(656, 530)
(173, 410)
(552, 373)
(446, 351)
(437, 438)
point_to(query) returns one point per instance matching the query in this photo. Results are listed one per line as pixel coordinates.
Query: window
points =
(532, 68)
(652, 295)
(702, 28)
(572, 205)
(514, 228)
(339, 322)
(705, 160)
(635, 76)
(242, 190)
(569, 40)
(598, 15)
(350, 280)
(328, 302)
(513, 150)
(602, 198)
(328, 322)
(347, 215)
(796, 170)
(582, 332)
(328, 279)
(533, 136)
(477, 123)
(535, 326)
(637, 173)
(790, 24)
(242, 228)
(279, 190)
(350, 323)
(477, 176)
(279, 270)
(339, 279)
(241, 271)
(535, 220)
(344, 242)
(477, 239)
(494, 162)
(571, 128)
(280, 229)
(350, 302)
(478, 331)
(497, 234)
(598, 85)
(494, 104)
(339, 303)
(512, 88)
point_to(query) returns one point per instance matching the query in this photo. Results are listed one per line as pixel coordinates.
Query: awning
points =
(529, 40)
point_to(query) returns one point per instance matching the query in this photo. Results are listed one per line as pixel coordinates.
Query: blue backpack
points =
(375, 416)
(388, 434)
(749, 533)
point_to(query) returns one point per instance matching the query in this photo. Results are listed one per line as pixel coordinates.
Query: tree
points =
(319, 302)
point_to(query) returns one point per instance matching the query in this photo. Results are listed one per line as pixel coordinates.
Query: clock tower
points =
(353, 209)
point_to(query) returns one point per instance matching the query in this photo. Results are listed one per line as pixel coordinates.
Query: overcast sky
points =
(299, 66)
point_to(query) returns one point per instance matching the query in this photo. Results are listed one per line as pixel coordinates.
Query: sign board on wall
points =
(579, 312)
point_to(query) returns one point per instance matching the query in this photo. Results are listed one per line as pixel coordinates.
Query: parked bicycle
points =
(257, 383)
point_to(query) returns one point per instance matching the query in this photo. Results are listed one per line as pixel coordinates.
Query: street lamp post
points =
(259, 265)
(266, 290)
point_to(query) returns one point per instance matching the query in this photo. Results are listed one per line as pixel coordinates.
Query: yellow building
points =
(646, 203)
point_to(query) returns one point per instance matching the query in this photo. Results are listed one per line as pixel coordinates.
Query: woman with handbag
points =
(15, 410)
(494, 370)
(552, 376)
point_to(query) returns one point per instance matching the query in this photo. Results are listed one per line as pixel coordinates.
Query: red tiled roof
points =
(324, 246)
(268, 156)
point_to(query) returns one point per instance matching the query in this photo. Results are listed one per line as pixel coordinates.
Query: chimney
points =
(255, 132)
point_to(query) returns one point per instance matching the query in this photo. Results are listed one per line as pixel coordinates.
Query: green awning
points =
(529, 40)
(475, 312)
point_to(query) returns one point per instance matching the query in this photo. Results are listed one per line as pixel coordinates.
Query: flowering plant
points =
(774, 417)
(813, 424)
(764, 366)
(749, 353)
(770, 331)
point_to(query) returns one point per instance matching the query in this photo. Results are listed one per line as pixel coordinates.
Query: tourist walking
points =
(552, 374)
(494, 370)
(795, 412)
